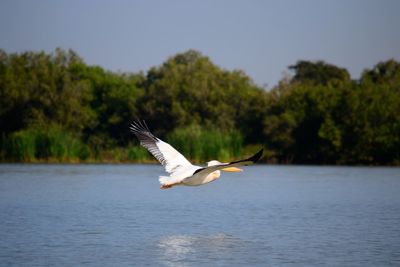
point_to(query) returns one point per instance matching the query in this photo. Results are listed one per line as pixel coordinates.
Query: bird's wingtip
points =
(138, 125)
(256, 157)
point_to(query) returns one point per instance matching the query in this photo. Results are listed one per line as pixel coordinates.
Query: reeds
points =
(138, 154)
(131, 153)
(35, 144)
(201, 144)
(54, 144)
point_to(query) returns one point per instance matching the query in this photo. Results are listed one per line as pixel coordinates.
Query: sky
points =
(262, 38)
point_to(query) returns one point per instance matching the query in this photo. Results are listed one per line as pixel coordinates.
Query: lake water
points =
(116, 215)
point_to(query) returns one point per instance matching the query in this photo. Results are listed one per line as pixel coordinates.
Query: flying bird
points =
(181, 171)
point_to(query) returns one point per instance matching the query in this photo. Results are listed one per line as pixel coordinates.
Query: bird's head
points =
(213, 163)
(227, 169)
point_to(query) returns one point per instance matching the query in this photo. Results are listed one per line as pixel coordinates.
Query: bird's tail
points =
(168, 182)
(164, 180)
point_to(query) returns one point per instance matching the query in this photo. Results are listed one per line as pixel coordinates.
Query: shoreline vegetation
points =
(55, 108)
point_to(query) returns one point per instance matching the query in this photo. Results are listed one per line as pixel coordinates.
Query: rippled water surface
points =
(116, 215)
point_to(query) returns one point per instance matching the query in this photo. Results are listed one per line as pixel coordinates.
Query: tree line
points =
(55, 107)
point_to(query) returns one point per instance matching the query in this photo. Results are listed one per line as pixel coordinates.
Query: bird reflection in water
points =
(184, 250)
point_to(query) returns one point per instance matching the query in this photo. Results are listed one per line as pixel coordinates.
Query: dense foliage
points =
(55, 107)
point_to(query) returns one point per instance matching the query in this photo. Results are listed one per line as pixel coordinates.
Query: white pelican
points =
(181, 171)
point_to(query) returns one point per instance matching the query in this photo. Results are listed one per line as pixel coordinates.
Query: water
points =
(116, 215)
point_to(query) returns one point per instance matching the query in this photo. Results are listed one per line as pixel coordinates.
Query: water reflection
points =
(182, 250)
(175, 249)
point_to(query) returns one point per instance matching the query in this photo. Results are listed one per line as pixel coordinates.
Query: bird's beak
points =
(232, 169)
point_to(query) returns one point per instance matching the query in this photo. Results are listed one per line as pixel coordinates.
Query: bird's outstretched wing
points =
(244, 162)
(168, 156)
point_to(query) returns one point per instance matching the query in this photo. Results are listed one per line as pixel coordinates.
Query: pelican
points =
(181, 171)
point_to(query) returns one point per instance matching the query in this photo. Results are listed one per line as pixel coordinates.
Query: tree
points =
(319, 73)
(55, 105)
(189, 89)
(301, 123)
(37, 88)
(387, 72)
(372, 123)
(113, 102)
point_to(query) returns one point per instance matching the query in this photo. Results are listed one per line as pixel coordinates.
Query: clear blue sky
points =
(261, 38)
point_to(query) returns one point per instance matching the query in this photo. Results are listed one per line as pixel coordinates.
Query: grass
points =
(37, 144)
(57, 145)
(202, 145)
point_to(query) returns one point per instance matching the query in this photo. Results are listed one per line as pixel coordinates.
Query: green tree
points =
(189, 89)
(386, 72)
(301, 123)
(37, 88)
(372, 123)
(56, 107)
(319, 73)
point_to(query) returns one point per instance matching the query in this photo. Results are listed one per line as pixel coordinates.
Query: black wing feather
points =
(244, 162)
(253, 159)
(147, 140)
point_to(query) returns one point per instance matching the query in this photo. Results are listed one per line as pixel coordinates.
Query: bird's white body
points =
(199, 179)
(187, 176)
(181, 171)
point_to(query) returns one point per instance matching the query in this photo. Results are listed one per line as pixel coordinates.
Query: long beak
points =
(231, 169)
